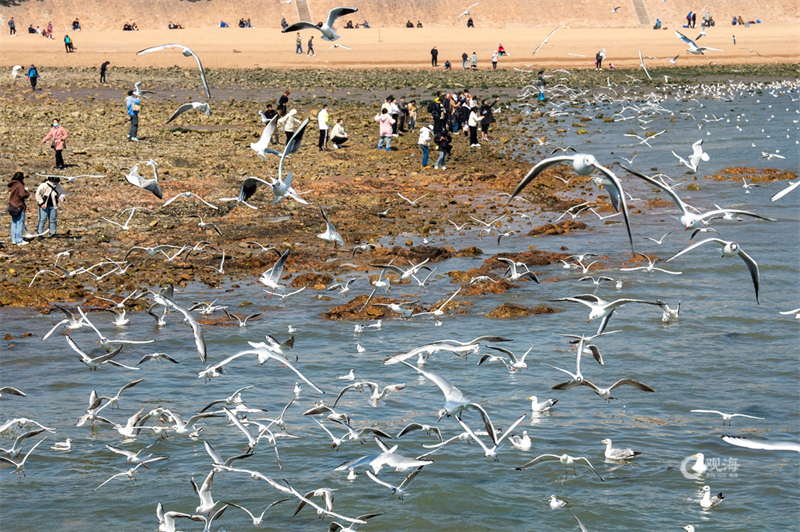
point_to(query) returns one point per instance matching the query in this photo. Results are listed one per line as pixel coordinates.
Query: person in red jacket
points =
(59, 137)
(17, 195)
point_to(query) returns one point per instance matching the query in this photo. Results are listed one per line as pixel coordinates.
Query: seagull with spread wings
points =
(326, 28)
(188, 53)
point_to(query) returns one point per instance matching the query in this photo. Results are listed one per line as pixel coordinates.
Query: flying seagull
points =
(193, 106)
(544, 41)
(326, 28)
(188, 53)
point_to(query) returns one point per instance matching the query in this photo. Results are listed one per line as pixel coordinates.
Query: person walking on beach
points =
(443, 142)
(68, 44)
(33, 76)
(12, 27)
(298, 44)
(103, 69)
(598, 60)
(464, 61)
(132, 105)
(689, 20)
(288, 123)
(310, 45)
(424, 141)
(434, 57)
(48, 196)
(17, 195)
(338, 135)
(58, 136)
(495, 57)
(473, 61)
(324, 124)
(385, 123)
(694, 19)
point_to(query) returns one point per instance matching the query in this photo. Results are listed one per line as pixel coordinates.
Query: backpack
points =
(431, 107)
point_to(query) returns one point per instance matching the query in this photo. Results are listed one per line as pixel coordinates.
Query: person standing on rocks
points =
(132, 105)
(435, 109)
(403, 114)
(394, 112)
(443, 142)
(289, 122)
(103, 69)
(17, 195)
(298, 41)
(58, 136)
(311, 47)
(385, 122)
(324, 121)
(473, 122)
(425, 137)
(434, 57)
(282, 101)
(412, 115)
(598, 60)
(487, 117)
(33, 76)
(48, 196)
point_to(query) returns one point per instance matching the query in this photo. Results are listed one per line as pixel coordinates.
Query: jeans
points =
(59, 159)
(439, 162)
(17, 222)
(424, 154)
(299, 49)
(494, 65)
(50, 212)
(464, 64)
(412, 124)
(134, 130)
(323, 138)
(387, 141)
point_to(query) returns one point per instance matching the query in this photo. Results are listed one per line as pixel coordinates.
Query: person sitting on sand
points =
(134, 27)
(338, 134)
(174, 26)
(470, 23)
(348, 26)
(223, 24)
(127, 27)
(740, 21)
(365, 24)
(31, 29)
(76, 25)
(657, 25)
(501, 51)
(448, 65)
(284, 24)
(247, 24)
(409, 24)
(419, 23)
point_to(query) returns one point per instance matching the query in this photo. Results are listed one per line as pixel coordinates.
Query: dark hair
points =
(269, 105)
(384, 111)
(54, 179)
(18, 176)
(130, 93)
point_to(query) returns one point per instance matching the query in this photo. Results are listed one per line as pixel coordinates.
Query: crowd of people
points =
(130, 26)
(468, 61)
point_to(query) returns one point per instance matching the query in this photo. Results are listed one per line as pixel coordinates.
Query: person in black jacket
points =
(401, 126)
(434, 57)
(282, 101)
(444, 142)
(487, 117)
(103, 69)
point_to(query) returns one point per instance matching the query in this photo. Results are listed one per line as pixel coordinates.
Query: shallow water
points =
(726, 353)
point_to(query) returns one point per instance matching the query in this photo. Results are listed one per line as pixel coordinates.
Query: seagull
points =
(556, 503)
(166, 520)
(490, 452)
(729, 249)
(596, 281)
(605, 393)
(618, 454)
(726, 417)
(761, 444)
(584, 164)
(439, 311)
(199, 339)
(523, 443)
(330, 234)
(699, 465)
(566, 460)
(14, 451)
(326, 28)
(785, 191)
(192, 106)
(272, 277)
(125, 226)
(396, 490)
(688, 219)
(702, 33)
(71, 322)
(516, 276)
(670, 313)
(641, 64)
(544, 406)
(514, 363)
(693, 48)
(207, 503)
(139, 92)
(650, 268)
(186, 52)
(694, 159)
(424, 428)
(203, 224)
(660, 240)
(92, 363)
(62, 446)
(404, 274)
(130, 473)
(256, 520)
(455, 402)
(465, 13)
(747, 186)
(266, 136)
(137, 180)
(414, 202)
(600, 308)
(386, 458)
(241, 319)
(220, 270)
(188, 195)
(343, 288)
(647, 138)
(11, 391)
(708, 501)
(337, 46)
(19, 468)
(134, 457)
(544, 41)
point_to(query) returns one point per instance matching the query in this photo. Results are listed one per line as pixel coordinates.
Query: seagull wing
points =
(722, 243)
(179, 111)
(753, 267)
(785, 191)
(685, 39)
(451, 393)
(588, 463)
(630, 382)
(538, 169)
(302, 25)
(761, 445)
(539, 459)
(641, 62)
(678, 201)
(337, 12)
(617, 198)
(268, 354)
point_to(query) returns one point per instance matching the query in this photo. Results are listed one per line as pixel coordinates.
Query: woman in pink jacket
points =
(59, 137)
(386, 122)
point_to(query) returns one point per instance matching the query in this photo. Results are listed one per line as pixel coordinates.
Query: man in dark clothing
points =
(434, 57)
(401, 127)
(12, 27)
(694, 19)
(435, 108)
(103, 69)
(311, 47)
(282, 101)
(33, 76)
(443, 141)
(487, 117)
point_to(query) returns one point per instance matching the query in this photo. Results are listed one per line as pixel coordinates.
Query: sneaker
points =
(436, 166)
(394, 134)
(23, 243)
(444, 168)
(134, 139)
(128, 136)
(388, 149)
(335, 146)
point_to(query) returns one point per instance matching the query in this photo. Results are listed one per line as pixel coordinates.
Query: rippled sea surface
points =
(725, 353)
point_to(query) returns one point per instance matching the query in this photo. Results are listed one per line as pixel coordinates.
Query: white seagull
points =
(186, 52)
(693, 48)
(726, 418)
(566, 460)
(191, 106)
(326, 28)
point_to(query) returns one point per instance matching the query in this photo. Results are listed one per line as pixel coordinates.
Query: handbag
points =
(14, 211)
(135, 107)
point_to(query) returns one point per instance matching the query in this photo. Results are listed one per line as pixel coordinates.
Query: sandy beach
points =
(409, 48)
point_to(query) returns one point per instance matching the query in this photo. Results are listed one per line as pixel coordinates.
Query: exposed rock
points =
(513, 310)
(315, 281)
(567, 226)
